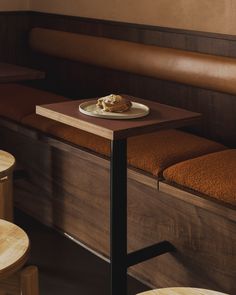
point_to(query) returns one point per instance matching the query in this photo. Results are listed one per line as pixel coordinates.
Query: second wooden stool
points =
(181, 291)
(15, 279)
(7, 162)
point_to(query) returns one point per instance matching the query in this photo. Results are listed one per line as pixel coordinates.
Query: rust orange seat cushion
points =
(156, 151)
(213, 175)
(151, 152)
(17, 101)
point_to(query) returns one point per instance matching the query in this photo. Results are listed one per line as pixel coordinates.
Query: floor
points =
(66, 268)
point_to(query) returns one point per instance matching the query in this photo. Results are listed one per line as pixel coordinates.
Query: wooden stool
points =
(14, 252)
(181, 291)
(7, 162)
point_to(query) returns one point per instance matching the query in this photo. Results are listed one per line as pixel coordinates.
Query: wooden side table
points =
(13, 73)
(181, 291)
(160, 117)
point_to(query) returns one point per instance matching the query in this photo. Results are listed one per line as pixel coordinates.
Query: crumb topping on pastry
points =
(114, 103)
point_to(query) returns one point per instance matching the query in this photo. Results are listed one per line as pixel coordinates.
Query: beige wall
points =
(217, 16)
(12, 5)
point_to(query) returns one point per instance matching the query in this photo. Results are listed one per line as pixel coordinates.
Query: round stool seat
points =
(14, 248)
(181, 291)
(7, 162)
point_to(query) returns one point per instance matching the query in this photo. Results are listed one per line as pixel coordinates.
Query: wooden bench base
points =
(68, 189)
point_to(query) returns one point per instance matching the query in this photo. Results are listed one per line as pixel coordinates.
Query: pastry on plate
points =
(114, 103)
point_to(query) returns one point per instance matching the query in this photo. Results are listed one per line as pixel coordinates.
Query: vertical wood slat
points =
(14, 27)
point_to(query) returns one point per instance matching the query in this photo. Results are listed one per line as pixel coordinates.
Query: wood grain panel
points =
(14, 28)
(199, 200)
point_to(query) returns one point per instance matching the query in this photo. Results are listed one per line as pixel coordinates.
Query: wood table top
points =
(181, 291)
(160, 117)
(13, 73)
(7, 162)
(14, 248)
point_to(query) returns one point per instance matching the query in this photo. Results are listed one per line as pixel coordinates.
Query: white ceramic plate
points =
(136, 111)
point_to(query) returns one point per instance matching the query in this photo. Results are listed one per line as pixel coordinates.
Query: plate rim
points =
(110, 115)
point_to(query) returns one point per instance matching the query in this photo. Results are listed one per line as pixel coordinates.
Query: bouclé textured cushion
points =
(213, 175)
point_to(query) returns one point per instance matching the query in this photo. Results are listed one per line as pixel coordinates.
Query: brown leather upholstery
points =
(213, 175)
(17, 101)
(201, 70)
(151, 152)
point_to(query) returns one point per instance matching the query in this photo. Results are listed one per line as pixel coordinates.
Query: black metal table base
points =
(118, 217)
(120, 260)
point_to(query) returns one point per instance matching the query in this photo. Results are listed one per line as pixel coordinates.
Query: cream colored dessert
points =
(114, 103)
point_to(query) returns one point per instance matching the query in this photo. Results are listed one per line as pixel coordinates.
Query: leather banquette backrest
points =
(191, 68)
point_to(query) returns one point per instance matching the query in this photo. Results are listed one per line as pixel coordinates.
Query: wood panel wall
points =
(14, 28)
(78, 80)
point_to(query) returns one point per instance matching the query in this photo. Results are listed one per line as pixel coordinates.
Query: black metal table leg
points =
(118, 217)
(120, 259)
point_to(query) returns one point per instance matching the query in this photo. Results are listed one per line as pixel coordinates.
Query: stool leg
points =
(6, 198)
(29, 281)
(10, 285)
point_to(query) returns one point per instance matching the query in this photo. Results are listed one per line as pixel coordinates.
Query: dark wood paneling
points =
(14, 28)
